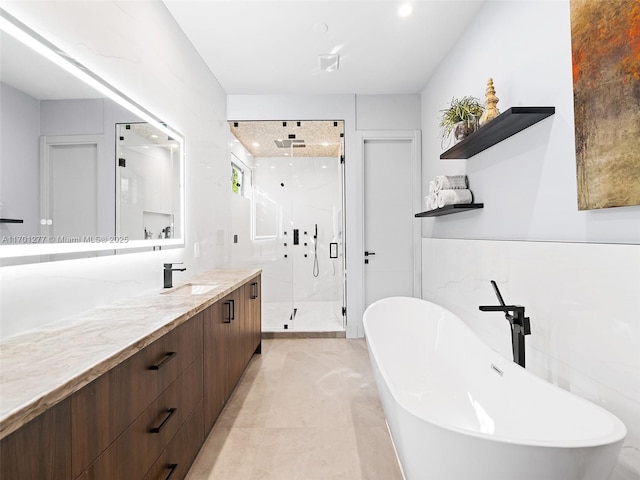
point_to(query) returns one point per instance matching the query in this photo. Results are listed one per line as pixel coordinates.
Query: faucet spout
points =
(168, 273)
(520, 325)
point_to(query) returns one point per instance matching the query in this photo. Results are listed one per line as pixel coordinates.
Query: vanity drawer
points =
(177, 350)
(135, 451)
(176, 459)
(103, 409)
(106, 407)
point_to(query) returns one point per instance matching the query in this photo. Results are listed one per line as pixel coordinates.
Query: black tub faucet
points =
(168, 273)
(520, 325)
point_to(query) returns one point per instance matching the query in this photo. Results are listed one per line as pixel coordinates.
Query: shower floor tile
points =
(310, 317)
(304, 409)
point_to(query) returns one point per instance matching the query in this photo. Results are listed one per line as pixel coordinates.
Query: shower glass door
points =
(297, 211)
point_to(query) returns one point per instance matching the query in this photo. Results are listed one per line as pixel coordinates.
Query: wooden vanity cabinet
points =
(218, 332)
(175, 460)
(140, 445)
(253, 300)
(232, 334)
(41, 449)
(146, 418)
(103, 409)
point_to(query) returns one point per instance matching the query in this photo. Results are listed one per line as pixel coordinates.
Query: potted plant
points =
(461, 118)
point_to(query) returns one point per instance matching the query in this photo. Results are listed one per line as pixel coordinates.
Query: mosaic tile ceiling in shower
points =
(318, 138)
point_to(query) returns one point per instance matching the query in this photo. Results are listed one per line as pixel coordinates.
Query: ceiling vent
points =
(329, 62)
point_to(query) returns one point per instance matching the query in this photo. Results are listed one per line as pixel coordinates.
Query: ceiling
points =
(290, 138)
(264, 47)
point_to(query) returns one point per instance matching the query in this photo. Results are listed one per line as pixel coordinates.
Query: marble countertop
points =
(42, 367)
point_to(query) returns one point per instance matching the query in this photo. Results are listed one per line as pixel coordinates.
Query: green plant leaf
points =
(467, 108)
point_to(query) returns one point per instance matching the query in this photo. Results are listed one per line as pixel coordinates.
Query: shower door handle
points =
(366, 254)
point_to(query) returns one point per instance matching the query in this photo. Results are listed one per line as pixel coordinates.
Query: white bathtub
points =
(458, 410)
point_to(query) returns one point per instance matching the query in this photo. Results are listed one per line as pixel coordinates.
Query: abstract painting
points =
(605, 44)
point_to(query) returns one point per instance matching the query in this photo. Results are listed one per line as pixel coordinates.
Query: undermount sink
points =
(192, 289)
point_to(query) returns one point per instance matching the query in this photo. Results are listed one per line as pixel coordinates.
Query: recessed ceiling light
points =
(405, 9)
(255, 144)
(325, 144)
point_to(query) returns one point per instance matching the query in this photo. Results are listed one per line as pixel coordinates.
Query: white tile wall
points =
(584, 303)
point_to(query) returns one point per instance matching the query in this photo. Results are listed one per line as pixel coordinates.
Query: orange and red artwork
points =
(605, 44)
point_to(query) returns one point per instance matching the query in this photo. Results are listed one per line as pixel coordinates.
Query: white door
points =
(391, 232)
(69, 179)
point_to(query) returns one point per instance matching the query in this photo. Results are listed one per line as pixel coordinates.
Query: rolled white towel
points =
(454, 197)
(449, 182)
(432, 187)
(431, 201)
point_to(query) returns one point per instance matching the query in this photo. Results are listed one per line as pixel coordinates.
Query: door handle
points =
(366, 254)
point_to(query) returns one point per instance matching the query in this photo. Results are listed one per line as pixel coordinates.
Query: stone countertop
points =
(40, 368)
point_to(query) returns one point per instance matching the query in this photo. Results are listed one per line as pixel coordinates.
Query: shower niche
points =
(297, 222)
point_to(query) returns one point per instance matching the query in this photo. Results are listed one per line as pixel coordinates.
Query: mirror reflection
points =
(148, 161)
(79, 165)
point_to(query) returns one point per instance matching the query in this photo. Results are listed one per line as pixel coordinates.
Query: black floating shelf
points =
(11, 220)
(449, 209)
(503, 126)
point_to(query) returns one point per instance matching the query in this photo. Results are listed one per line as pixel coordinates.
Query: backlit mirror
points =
(84, 170)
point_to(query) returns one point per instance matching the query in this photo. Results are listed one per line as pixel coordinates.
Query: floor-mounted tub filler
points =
(458, 410)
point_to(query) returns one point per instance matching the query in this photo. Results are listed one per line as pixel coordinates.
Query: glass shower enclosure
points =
(297, 222)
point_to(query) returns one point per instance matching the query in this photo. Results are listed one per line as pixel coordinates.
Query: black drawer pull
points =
(172, 467)
(254, 290)
(168, 356)
(170, 412)
(231, 312)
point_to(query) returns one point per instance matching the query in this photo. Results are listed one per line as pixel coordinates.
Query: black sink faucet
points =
(520, 325)
(168, 275)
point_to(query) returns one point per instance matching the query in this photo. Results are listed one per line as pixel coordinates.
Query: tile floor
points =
(304, 409)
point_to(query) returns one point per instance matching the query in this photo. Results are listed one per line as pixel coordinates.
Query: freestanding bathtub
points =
(458, 410)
